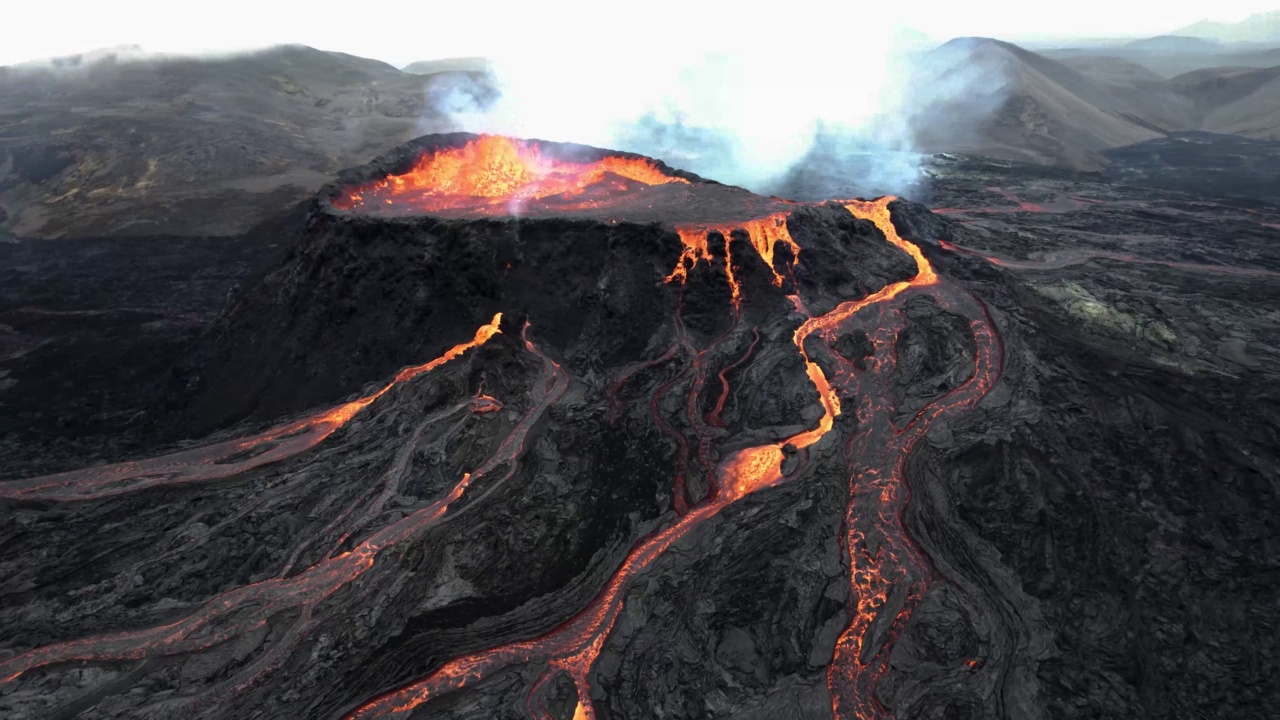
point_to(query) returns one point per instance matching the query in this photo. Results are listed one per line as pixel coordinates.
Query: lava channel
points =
(224, 459)
(252, 606)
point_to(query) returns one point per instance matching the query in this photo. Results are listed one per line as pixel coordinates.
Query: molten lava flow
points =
(758, 467)
(715, 419)
(887, 574)
(877, 211)
(224, 459)
(252, 606)
(764, 233)
(490, 173)
(572, 647)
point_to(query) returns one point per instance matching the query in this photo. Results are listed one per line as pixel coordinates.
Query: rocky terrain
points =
(194, 147)
(491, 467)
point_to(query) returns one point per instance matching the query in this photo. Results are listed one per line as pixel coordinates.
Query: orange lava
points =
(572, 648)
(758, 467)
(887, 575)
(252, 606)
(342, 414)
(212, 462)
(765, 233)
(492, 172)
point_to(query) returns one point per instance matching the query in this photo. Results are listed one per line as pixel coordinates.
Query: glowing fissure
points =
(219, 460)
(491, 173)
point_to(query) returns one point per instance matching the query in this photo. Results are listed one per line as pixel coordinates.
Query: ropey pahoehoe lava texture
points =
(523, 429)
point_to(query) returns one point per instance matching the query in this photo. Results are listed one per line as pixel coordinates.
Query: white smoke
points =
(460, 97)
(742, 106)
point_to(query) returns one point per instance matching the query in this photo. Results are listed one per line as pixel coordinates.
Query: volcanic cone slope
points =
(547, 431)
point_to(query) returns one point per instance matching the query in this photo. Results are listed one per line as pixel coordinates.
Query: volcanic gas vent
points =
(493, 175)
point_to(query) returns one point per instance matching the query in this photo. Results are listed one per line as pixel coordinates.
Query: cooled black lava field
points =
(502, 429)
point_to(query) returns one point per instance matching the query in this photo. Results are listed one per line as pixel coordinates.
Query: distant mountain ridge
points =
(1043, 112)
(1257, 28)
(179, 145)
(1004, 101)
(467, 65)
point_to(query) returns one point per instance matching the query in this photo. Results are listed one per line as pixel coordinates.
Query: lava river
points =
(887, 575)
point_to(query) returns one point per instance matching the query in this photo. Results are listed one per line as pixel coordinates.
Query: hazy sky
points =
(400, 31)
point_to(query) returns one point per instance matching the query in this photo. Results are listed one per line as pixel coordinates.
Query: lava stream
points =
(217, 461)
(764, 234)
(258, 601)
(887, 574)
(252, 606)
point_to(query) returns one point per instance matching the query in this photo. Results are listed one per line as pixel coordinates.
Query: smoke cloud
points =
(806, 100)
(751, 107)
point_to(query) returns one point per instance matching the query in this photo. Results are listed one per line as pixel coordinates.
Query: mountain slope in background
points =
(1175, 43)
(1170, 63)
(187, 146)
(1236, 101)
(465, 65)
(1007, 102)
(1259, 28)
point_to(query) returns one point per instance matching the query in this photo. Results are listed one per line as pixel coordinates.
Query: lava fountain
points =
(497, 175)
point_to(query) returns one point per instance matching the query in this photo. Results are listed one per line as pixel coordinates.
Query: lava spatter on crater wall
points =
(654, 309)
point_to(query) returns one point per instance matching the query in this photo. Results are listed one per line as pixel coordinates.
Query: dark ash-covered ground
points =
(1100, 530)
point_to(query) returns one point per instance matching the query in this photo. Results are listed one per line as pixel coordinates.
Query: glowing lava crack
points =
(493, 177)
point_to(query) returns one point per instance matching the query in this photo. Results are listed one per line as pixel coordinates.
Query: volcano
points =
(537, 430)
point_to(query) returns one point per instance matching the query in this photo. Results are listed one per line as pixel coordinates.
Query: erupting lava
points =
(493, 175)
(887, 574)
(764, 233)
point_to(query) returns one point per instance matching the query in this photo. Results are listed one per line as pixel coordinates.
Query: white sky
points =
(401, 31)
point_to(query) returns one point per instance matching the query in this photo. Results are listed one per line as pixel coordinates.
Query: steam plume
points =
(743, 108)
